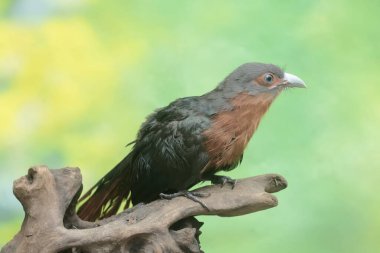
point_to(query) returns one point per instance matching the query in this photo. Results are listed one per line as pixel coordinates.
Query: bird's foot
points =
(194, 196)
(222, 180)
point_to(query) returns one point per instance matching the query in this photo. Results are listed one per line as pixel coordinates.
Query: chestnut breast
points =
(231, 130)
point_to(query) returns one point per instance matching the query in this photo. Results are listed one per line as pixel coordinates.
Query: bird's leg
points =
(222, 180)
(194, 196)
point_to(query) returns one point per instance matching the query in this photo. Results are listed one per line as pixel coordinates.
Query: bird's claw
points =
(200, 194)
(190, 195)
(223, 180)
(228, 180)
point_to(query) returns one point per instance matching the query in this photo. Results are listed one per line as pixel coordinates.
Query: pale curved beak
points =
(293, 81)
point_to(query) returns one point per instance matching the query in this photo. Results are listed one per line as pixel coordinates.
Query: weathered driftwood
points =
(49, 198)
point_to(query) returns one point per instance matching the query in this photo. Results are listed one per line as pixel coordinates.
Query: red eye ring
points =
(268, 78)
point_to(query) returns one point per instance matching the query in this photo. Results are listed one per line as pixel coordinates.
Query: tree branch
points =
(49, 198)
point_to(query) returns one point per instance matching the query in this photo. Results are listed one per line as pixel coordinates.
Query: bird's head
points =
(256, 78)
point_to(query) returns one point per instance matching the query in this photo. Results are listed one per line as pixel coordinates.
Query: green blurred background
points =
(78, 77)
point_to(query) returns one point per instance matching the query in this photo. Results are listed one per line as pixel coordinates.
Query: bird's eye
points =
(268, 78)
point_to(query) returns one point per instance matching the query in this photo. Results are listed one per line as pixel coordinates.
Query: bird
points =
(189, 141)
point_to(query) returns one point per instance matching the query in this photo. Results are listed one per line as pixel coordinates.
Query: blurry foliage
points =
(77, 79)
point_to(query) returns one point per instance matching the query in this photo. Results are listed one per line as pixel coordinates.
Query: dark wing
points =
(168, 154)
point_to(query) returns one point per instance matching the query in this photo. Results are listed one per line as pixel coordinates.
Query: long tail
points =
(106, 196)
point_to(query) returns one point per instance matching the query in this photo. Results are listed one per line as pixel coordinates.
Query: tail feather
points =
(106, 196)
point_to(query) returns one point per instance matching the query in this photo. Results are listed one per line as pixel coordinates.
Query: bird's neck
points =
(248, 111)
(232, 129)
(251, 105)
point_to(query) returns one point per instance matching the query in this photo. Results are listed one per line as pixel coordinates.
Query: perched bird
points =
(189, 141)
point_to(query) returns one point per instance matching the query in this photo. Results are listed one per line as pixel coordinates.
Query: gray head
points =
(254, 78)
